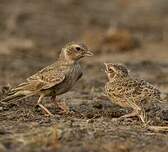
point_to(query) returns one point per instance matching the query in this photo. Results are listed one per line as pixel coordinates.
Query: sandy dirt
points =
(120, 31)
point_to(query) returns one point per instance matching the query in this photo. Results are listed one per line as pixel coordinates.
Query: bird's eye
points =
(78, 48)
(110, 70)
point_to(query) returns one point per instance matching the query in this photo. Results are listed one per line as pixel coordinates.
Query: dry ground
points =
(32, 33)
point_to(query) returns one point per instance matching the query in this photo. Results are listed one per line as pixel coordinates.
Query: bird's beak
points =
(88, 53)
(106, 67)
(106, 64)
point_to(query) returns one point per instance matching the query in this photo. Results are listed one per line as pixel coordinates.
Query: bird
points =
(55, 79)
(126, 91)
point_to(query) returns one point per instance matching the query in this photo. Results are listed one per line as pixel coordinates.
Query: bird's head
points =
(115, 71)
(75, 51)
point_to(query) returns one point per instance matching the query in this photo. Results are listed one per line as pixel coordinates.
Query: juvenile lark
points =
(126, 91)
(55, 79)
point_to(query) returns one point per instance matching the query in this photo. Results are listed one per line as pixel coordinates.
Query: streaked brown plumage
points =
(55, 79)
(126, 91)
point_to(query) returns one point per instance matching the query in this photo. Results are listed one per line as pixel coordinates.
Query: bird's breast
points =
(116, 94)
(71, 78)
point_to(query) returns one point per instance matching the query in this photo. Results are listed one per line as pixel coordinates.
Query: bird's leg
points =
(140, 112)
(132, 114)
(142, 115)
(44, 108)
(61, 105)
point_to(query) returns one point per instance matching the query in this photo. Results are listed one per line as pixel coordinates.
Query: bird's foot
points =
(64, 108)
(61, 105)
(146, 124)
(132, 114)
(129, 115)
(158, 128)
(48, 113)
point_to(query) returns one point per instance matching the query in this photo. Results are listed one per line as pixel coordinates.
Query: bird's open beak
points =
(106, 64)
(88, 53)
(106, 67)
(106, 70)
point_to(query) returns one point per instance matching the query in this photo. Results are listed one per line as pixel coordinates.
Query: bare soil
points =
(122, 31)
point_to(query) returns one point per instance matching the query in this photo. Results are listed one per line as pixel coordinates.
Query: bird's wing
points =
(134, 90)
(48, 77)
(51, 80)
(44, 79)
(42, 72)
(140, 90)
(148, 89)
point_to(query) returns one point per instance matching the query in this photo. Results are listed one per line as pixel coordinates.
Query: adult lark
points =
(55, 79)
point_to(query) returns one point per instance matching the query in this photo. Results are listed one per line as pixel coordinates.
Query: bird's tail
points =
(17, 96)
(22, 91)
